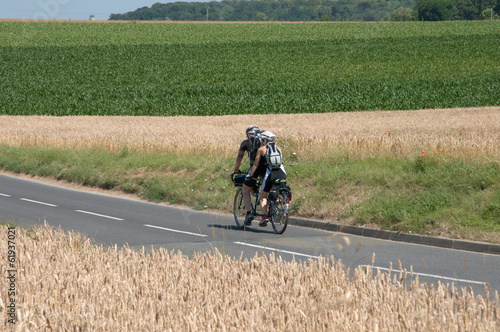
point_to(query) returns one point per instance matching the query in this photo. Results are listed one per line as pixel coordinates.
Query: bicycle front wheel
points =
(239, 209)
(279, 214)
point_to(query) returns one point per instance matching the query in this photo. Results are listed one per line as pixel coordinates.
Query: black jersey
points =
(250, 145)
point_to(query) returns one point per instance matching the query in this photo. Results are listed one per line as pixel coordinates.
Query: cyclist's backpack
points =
(255, 139)
(254, 146)
(273, 156)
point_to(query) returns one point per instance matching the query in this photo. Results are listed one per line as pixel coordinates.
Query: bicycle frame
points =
(277, 210)
(254, 202)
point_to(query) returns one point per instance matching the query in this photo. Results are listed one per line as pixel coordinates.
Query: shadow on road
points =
(254, 228)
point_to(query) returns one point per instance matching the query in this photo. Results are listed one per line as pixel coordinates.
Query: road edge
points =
(482, 247)
(443, 242)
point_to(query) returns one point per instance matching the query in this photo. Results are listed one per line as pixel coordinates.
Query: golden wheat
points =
(397, 132)
(65, 282)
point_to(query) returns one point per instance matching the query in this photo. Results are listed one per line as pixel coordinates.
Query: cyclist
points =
(250, 145)
(270, 155)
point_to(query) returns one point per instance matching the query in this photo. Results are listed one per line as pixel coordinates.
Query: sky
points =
(70, 9)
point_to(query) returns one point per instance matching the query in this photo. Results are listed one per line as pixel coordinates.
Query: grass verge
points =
(432, 194)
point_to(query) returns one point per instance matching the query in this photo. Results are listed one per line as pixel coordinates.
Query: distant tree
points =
(273, 10)
(435, 10)
(466, 10)
(486, 4)
(364, 5)
(324, 11)
(261, 17)
(324, 18)
(369, 16)
(401, 14)
(487, 14)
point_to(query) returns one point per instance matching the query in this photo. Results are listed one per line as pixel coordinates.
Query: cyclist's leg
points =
(265, 188)
(263, 205)
(246, 197)
(247, 189)
(271, 177)
(264, 192)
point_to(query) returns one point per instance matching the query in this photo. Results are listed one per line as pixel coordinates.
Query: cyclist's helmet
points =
(252, 130)
(268, 136)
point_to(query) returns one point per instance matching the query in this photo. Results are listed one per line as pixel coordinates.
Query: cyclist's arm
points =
(239, 158)
(241, 154)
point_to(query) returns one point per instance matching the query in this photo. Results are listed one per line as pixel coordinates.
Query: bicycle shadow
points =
(254, 228)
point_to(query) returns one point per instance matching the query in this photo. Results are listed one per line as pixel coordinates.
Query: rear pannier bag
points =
(274, 192)
(288, 192)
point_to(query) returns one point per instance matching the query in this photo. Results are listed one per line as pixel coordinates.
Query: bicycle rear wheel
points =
(279, 214)
(239, 209)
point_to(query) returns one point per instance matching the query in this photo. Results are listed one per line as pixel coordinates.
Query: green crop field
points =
(214, 69)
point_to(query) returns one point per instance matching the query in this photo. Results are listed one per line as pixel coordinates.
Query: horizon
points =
(72, 9)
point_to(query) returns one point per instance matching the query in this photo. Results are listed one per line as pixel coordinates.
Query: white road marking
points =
(37, 202)
(427, 275)
(175, 230)
(99, 215)
(277, 250)
(4, 195)
(373, 267)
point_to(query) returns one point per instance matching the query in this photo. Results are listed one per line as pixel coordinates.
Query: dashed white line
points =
(37, 202)
(276, 250)
(99, 215)
(4, 195)
(426, 275)
(175, 230)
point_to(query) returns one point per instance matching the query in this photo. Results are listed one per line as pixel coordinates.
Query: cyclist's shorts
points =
(271, 175)
(259, 172)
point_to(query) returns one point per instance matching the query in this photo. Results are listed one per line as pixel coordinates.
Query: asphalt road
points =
(111, 220)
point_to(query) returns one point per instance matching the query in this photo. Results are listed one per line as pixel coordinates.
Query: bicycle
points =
(278, 203)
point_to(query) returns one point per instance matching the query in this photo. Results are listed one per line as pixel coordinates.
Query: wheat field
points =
(476, 130)
(66, 283)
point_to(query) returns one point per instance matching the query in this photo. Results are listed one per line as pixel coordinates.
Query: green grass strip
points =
(423, 195)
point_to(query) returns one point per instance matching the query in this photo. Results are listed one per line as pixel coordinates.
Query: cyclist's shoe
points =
(264, 221)
(248, 219)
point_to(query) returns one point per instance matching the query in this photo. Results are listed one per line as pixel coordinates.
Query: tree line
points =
(317, 10)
